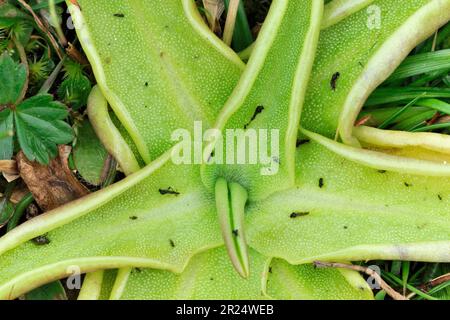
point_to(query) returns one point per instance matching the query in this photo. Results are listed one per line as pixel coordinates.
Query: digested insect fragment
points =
(169, 191)
(334, 80)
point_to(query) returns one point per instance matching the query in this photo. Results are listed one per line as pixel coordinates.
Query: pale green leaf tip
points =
(230, 203)
(380, 160)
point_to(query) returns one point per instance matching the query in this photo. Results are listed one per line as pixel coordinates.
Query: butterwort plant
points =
(215, 230)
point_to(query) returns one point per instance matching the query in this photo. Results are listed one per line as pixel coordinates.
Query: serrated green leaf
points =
(43, 107)
(12, 79)
(39, 127)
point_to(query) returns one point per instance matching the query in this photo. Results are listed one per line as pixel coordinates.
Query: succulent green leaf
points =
(338, 10)
(181, 223)
(391, 162)
(210, 275)
(179, 71)
(346, 211)
(305, 282)
(254, 106)
(348, 69)
(112, 134)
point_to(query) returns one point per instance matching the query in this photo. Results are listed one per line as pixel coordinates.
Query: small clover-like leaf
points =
(12, 79)
(40, 127)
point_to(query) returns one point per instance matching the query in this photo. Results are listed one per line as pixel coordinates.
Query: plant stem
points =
(24, 60)
(230, 24)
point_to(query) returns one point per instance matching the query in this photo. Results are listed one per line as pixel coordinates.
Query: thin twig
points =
(391, 292)
(24, 60)
(55, 20)
(51, 79)
(231, 21)
(43, 28)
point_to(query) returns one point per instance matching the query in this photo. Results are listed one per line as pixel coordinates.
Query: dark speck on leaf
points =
(133, 218)
(321, 183)
(382, 171)
(298, 214)
(258, 110)
(236, 233)
(41, 240)
(172, 244)
(168, 191)
(439, 197)
(301, 142)
(334, 80)
(119, 15)
(146, 84)
(408, 185)
(270, 269)
(345, 227)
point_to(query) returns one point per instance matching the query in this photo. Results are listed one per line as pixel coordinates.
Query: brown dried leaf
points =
(52, 185)
(214, 9)
(8, 167)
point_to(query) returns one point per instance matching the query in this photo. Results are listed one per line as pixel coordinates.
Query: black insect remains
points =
(334, 80)
(382, 171)
(301, 142)
(321, 183)
(298, 214)
(439, 197)
(41, 240)
(236, 233)
(119, 15)
(172, 244)
(133, 218)
(258, 110)
(408, 185)
(168, 191)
